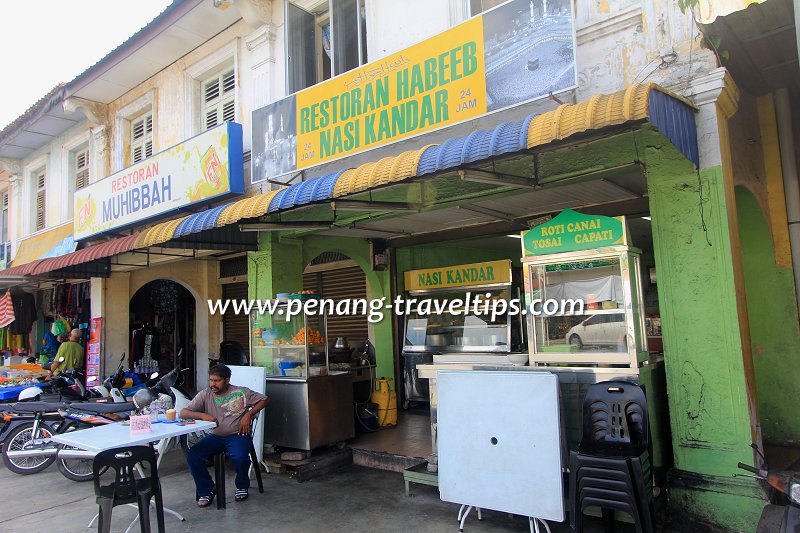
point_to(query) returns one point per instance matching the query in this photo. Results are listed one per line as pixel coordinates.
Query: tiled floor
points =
(410, 438)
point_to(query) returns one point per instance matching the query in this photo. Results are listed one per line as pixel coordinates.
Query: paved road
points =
(355, 499)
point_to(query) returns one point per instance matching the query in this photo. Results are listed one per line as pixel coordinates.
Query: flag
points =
(6, 310)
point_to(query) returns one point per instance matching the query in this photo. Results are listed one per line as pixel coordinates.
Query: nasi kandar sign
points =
(514, 53)
(200, 170)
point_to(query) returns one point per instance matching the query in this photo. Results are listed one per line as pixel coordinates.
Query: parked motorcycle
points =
(782, 514)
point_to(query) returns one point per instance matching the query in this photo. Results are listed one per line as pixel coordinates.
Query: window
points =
(81, 170)
(479, 6)
(219, 104)
(141, 138)
(41, 201)
(5, 246)
(324, 39)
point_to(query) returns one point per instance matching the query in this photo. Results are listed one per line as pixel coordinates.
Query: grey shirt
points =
(227, 408)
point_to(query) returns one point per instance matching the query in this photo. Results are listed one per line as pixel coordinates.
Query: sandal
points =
(241, 495)
(205, 501)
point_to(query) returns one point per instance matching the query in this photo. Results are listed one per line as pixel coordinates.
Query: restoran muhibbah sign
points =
(489, 273)
(511, 54)
(205, 168)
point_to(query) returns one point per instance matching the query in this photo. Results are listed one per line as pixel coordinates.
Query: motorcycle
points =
(169, 385)
(782, 514)
(28, 448)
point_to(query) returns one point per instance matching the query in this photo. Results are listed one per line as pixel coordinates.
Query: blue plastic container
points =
(285, 365)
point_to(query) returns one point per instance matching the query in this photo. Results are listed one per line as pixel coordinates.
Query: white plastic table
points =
(117, 435)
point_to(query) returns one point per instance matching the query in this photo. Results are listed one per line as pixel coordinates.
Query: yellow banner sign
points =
(511, 54)
(406, 94)
(489, 273)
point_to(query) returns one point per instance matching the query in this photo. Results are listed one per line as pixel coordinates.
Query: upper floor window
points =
(142, 137)
(477, 7)
(218, 99)
(4, 220)
(5, 246)
(325, 38)
(41, 200)
(81, 168)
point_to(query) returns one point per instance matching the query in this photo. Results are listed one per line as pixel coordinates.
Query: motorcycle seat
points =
(94, 407)
(37, 407)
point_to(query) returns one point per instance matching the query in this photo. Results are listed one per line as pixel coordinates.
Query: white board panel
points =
(499, 441)
(254, 378)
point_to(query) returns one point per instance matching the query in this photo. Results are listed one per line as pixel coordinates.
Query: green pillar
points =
(276, 267)
(705, 327)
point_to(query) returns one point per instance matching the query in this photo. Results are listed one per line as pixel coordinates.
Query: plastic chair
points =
(219, 468)
(232, 353)
(612, 467)
(126, 488)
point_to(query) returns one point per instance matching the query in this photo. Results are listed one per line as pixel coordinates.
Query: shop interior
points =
(478, 339)
(162, 330)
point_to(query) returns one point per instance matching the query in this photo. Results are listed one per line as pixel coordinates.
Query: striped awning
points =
(92, 253)
(670, 114)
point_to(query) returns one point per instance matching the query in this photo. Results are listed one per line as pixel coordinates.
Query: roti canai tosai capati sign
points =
(205, 168)
(572, 231)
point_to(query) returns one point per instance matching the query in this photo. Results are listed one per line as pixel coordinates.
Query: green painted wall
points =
(774, 332)
(709, 402)
(278, 267)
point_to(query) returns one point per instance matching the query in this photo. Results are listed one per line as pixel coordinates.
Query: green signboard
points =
(572, 231)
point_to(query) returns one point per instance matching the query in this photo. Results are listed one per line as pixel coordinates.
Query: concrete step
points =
(384, 460)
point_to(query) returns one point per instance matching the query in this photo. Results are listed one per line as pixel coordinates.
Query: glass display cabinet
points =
(293, 348)
(602, 321)
(309, 406)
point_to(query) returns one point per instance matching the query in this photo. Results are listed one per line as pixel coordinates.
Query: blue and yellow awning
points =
(670, 114)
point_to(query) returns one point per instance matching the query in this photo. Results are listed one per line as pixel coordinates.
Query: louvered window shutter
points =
(219, 99)
(81, 169)
(142, 138)
(41, 201)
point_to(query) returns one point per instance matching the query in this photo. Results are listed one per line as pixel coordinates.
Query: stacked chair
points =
(612, 467)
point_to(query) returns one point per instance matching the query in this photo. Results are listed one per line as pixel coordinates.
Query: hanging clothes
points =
(146, 347)
(6, 309)
(24, 312)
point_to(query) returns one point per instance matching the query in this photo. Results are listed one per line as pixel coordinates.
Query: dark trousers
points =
(238, 449)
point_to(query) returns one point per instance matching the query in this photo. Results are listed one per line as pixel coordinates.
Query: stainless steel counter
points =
(309, 413)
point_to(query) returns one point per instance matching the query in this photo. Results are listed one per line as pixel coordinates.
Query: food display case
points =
(588, 259)
(604, 326)
(459, 326)
(296, 347)
(310, 406)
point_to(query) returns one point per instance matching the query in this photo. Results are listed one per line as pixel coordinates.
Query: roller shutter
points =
(235, 327)
(340, 284)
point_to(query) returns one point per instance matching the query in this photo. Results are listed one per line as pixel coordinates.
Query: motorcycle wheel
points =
(75, 469)
(17, 440)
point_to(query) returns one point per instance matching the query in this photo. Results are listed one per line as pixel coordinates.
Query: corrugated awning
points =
(670, 114)
(92, 253)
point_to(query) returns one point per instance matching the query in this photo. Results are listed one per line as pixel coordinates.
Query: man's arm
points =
(53, 366)
(247, 418)
(192, 410)
(197, 415)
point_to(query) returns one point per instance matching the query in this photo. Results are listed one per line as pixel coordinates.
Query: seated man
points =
(72, 354)
(232, 408)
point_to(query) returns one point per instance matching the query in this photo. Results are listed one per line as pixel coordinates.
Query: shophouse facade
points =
(702, 157)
